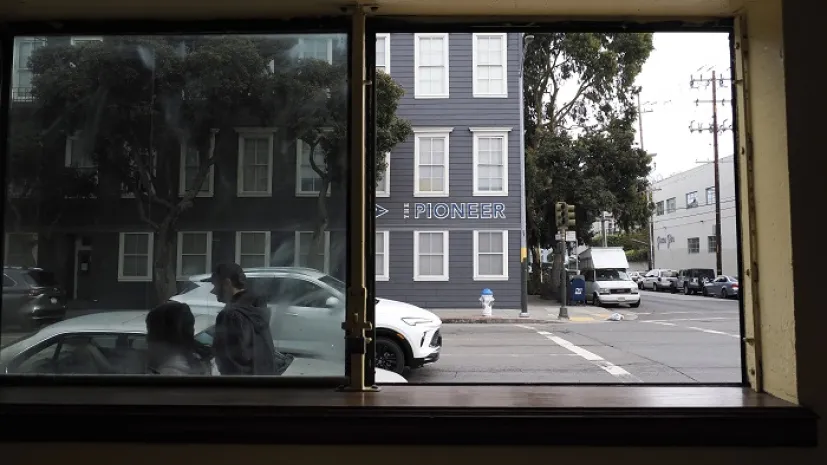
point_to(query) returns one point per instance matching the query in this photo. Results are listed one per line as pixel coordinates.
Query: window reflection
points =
(138, 164)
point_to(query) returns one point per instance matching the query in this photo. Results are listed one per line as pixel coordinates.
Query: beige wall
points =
(787, 108)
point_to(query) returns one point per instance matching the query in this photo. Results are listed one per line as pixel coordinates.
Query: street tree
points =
(136, 100)
(575, 85)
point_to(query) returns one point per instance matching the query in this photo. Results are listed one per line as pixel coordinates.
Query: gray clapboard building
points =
(449, 208)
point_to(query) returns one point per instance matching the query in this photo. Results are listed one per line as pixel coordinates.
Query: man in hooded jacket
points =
(243, 343)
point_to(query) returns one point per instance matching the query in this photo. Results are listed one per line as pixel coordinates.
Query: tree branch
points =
(564, 111)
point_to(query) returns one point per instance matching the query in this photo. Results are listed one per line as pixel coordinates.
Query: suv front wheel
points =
(389, 355)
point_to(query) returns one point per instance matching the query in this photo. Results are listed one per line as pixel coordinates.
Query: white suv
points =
(307, 310)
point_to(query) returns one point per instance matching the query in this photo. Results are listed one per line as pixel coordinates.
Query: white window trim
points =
(329, 47)
(445, 51)
(75, 40)
(255, 132)
(385, 256)
(150, 257)
(297, 249)
(445, 261)
(432, 132)
(387, 38)
(490, 132)
(476, 93)
(179, 258)
(299, 192)
(16, 68)
(387, 178)
(182, 176)
(477, 275)
(266, 245)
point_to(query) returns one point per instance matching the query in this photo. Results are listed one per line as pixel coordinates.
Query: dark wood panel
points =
(407, 415)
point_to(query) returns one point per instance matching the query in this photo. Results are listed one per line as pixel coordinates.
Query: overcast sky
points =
(665, 80)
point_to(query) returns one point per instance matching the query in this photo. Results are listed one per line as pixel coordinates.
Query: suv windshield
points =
(41, 278)
(612, 275)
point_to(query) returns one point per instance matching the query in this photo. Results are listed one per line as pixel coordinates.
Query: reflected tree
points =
(133, 102)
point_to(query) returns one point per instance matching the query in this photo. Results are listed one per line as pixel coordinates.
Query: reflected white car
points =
(111, 343)
(307, 308)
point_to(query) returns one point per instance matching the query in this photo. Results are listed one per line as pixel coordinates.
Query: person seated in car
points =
(172, 348)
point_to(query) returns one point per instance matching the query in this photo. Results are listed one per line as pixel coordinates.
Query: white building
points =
(684, 220)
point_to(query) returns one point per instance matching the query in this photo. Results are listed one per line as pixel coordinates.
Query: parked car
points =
(660, 280)
(692, 280)
(32, 298)
(635, 276)
(307, 311)
(723, 286)
(114, 343)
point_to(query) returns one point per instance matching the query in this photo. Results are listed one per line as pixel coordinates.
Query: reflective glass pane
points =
(139, 165)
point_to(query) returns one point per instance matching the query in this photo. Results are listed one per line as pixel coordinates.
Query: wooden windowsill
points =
(408, 415)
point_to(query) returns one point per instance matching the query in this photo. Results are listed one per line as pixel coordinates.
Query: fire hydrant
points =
(487, 301)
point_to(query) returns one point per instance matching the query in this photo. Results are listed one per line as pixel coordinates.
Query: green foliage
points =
(579, 149)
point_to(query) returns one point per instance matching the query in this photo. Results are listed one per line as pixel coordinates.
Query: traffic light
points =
(560, 214)
(571, 220)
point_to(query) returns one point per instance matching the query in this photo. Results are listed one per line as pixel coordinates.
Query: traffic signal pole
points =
(564, 215)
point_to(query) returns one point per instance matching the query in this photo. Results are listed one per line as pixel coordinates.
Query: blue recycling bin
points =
(577, 290)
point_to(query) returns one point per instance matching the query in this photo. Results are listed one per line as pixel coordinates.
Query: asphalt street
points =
(670, 338)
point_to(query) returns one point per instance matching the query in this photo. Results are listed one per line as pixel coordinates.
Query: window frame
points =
(387, 48)
(149, 257)
(75, 39)
(709, 241)
(297, 249)
(254, 132)
(435, 132)
(692, 205)
(474, 65)
(182, 174)
(267, 246)
(299, 191)
(674, 205)
(446, 59)
(446, 276)
(179, 262)
(386, 177)
(659, 208)
(710, 190)
(301, 50)
(476, 257)
(477, 134)
(15, 78)
(386, 276)
(689, 248)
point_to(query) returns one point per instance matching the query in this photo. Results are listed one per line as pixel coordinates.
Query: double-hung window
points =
(194, 253)
(255, 162)
(430, 256)
(382, 256)
(135, 252)
(317, 48)
(490, 52)
(693, 245)
(431, 75)
(22, 77)
(252, 248)
(383, 53)
(490, 169)
(431, 162)
(308, 181)
(490, 255)
(190, 167)
(383, 182)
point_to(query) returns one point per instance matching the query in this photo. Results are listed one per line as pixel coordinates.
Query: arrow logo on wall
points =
(380, 211)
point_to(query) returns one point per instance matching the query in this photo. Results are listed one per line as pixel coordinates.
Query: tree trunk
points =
(317, 255)
(163, 267)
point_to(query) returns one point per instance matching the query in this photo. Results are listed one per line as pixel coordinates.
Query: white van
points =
(607, 282)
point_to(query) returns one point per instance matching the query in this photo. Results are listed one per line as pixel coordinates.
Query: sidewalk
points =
(539, 311)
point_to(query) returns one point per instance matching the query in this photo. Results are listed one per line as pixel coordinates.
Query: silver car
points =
(723, 286)
(114, 343)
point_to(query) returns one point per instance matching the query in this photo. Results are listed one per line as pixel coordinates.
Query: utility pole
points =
(651, 229)
(715, 81)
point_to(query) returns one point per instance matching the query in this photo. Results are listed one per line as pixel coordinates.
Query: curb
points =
(498, 321)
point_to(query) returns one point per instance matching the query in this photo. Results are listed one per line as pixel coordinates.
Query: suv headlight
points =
(634, 290)
(603, 291)
(414, 320)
